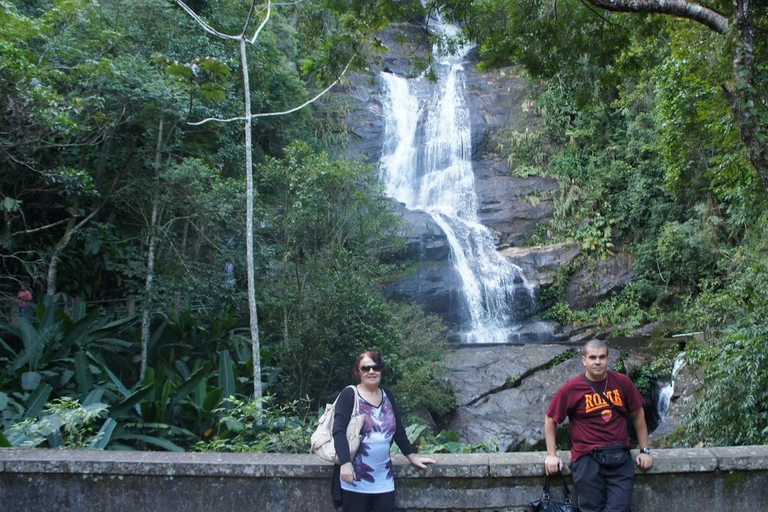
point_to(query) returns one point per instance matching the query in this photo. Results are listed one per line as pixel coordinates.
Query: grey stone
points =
(541, 263)
(490, 410)
(591, 285)
(741, 458)
(718, 479)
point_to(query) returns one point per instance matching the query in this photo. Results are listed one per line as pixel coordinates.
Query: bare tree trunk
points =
(146, 307)
(255, 345)
(53, 266)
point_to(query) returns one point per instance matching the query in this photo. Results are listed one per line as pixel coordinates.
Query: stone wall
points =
(716, 479)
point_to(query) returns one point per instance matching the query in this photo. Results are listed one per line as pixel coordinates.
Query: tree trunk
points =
(250, 193)
(53, 266)
(743, 99)
(146, 307)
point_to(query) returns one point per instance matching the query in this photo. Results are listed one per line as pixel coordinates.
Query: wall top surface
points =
(268, 465)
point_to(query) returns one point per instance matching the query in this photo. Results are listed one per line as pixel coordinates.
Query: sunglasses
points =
(367, 368)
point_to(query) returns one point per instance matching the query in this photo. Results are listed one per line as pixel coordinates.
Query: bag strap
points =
(356, 407)
(608, 400)
(566, 491)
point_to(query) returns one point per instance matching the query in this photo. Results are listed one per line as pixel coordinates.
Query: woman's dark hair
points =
(375, 357)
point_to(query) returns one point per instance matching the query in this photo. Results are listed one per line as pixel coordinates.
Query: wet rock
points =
(424, 238)
(434, 285)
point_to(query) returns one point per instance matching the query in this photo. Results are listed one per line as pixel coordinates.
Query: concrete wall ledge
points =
(110, 480)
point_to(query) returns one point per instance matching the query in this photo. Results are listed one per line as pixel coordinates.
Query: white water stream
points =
(426, 164)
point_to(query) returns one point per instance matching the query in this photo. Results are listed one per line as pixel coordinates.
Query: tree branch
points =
(318, 96)
(203, 24)
(679, 8)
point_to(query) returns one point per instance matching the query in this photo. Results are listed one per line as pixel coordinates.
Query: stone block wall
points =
(715, 479)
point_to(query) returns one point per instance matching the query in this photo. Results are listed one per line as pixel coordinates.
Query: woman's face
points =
(370, 373)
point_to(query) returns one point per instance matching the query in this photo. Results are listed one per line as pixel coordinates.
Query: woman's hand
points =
(420, 462)
(348, 472)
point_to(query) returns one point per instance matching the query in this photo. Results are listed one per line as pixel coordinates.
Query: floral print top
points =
(372, 463)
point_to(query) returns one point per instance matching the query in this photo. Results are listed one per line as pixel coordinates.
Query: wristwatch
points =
(646, 450)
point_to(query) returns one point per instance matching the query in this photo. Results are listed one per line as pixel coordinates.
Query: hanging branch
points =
(247, 120)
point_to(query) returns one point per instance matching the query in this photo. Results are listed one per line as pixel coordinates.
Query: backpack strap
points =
(607, 400)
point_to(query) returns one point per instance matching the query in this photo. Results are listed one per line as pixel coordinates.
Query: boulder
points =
(424, 238)
(541, 263)
(434, 285)
(361, 91)
(591, 285)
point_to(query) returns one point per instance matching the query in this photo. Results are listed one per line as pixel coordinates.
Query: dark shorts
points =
(601, 488)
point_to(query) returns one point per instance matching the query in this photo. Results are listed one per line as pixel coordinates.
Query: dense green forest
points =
(128, 217)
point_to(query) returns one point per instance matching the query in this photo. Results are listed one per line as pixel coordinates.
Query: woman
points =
(367, 482)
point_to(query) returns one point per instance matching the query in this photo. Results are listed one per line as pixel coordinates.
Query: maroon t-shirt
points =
(593, 422)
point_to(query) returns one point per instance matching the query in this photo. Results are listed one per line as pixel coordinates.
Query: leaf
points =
(227, 375)
(190, 384)
(213, 92)
(214, 67)
(83, 375)
(30, 380)
(212, 399)
(180, 70)
(78, 332)
(156, 441)
(4, 442)
(93, 397)
(120, 386)
(104, 435)
(54, 439)
(121, 409)
(158, 332)
(36, 401)
(8, 348)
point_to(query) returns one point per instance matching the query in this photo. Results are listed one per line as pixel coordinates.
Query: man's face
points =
(596, 363)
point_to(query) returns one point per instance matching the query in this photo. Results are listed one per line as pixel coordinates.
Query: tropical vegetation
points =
(126, 175)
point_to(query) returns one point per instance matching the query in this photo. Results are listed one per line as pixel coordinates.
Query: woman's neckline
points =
(381, 400)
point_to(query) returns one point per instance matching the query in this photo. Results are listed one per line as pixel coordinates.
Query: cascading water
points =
(667, 389)
(426, 164)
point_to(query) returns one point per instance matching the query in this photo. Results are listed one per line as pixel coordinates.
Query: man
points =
(602, 467)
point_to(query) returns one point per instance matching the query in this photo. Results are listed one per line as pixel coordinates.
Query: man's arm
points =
(644, 460)
(552, 463)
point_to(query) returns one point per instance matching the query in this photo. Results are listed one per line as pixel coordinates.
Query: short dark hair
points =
(375, 357)
(594, 345)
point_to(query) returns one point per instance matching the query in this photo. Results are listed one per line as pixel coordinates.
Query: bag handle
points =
(566, 491)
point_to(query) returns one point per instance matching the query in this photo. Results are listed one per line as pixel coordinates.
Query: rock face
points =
(591, 285)
(510, 206)
(499, 103)
(541, 263)
(504, 392)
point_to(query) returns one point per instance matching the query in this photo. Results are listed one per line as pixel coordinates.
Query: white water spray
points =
(426, 164)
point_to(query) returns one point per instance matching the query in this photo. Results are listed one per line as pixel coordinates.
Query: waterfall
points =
(667, 389)
(426, 164)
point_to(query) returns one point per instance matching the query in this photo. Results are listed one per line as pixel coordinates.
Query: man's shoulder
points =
(574, 382)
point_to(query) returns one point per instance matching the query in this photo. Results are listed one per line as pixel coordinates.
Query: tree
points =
(247, 118)
(749, 109)
(747, 97)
